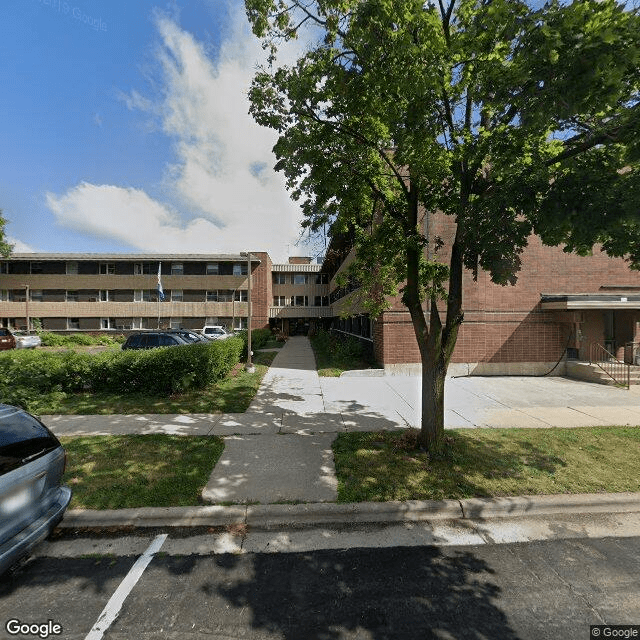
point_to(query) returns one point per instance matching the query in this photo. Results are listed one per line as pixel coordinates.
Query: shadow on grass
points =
(389, 466)
(117, 472)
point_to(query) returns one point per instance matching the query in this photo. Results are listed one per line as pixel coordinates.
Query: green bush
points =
(156, 371)
(259, 337)
(79, 339)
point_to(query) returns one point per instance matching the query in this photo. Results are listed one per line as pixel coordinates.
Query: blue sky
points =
(125, 129)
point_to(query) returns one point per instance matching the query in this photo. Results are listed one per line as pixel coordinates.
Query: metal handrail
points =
(619, 372)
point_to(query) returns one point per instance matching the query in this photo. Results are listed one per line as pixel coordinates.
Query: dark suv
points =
(151, 340)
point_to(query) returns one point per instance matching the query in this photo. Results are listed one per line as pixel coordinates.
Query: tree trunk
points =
(434, 372)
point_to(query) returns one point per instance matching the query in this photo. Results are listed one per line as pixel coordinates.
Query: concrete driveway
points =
(483, 401)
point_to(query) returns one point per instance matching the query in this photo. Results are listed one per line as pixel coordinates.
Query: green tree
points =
(509, 117)
(5, 247)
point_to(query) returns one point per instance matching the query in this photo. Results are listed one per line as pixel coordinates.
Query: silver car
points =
(32, 498)
(26, 341)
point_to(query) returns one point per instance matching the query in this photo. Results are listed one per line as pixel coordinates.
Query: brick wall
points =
(261, 291)
(507, 323)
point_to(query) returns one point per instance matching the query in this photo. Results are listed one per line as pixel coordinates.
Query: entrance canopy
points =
(584, 301)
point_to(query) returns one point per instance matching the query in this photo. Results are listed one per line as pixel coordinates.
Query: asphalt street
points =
(534, 591)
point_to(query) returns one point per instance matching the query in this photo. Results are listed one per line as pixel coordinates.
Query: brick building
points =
(561, 304)
(97, 292)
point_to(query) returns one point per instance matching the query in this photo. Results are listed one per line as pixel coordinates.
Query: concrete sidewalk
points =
(280, 449)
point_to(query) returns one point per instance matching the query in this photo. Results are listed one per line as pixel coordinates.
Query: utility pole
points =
(26, 307)
(249, 366)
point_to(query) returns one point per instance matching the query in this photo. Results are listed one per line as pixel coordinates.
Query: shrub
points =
(259, 337)
(156, 371)
(79, 339)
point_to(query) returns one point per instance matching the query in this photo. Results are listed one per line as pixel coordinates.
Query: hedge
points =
(154, 371)
(259, 337)
(83, 339)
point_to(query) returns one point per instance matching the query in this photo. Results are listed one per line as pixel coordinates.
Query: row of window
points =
(73, 268)
(299, 301)
(70, 324)
(299, 278)
(139, 295)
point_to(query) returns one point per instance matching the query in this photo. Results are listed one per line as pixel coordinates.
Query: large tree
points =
(511, 117)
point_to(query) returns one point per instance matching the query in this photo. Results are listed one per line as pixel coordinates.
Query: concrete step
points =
(593, 373)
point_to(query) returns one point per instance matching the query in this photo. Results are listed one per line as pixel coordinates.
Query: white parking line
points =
(111, 611)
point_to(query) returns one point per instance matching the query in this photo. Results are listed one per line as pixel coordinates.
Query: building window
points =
(145, 268)
(300, 301)
(300, 278)
(221, 295)
(239, 324)
(4, 267)
(240, 269)
(148, 295)
(280, 278)
(177, 269)
(107, 323)
(36, 295)
(137, 295)
(73, 323)
(72, 268)
(211, 320)
(105, 295)
(72, 296)
(213, 268)
(175, 323)
(36, 267)
(176, 295)
(240, 295)
(321, 278)
(279, 301)
(107, 268)
(136, 323)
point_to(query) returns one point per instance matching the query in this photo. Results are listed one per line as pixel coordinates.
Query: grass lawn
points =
(231, 395)
(335, 355)
(116, 472)
(272, 344)
(486, 463)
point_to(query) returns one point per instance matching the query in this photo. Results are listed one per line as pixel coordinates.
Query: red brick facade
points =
(507, 324)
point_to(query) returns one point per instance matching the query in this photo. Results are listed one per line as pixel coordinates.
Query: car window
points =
(134, 341)
(166, 340)
(4, 332)
(150, 341)
(23, 439)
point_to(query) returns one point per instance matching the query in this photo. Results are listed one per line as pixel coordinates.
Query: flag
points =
(160, 291)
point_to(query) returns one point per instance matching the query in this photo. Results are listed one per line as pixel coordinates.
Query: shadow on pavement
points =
(364, 593)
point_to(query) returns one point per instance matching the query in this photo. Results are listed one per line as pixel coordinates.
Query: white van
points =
(215, 332)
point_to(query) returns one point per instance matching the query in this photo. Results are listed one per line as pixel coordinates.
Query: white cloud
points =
(221, 176)
(19, 246)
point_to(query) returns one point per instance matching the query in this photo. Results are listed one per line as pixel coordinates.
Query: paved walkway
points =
(280, 449)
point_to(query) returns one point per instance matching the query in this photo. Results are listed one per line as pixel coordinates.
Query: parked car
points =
(27, 341)
(7, 341)
(151, 340)
(32, 497)
(215, 332)
(188, 336)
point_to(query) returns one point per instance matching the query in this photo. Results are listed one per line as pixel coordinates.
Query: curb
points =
(274, 516)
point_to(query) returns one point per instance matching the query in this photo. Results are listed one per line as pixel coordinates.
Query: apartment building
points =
(98, 292)
(561, 305)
